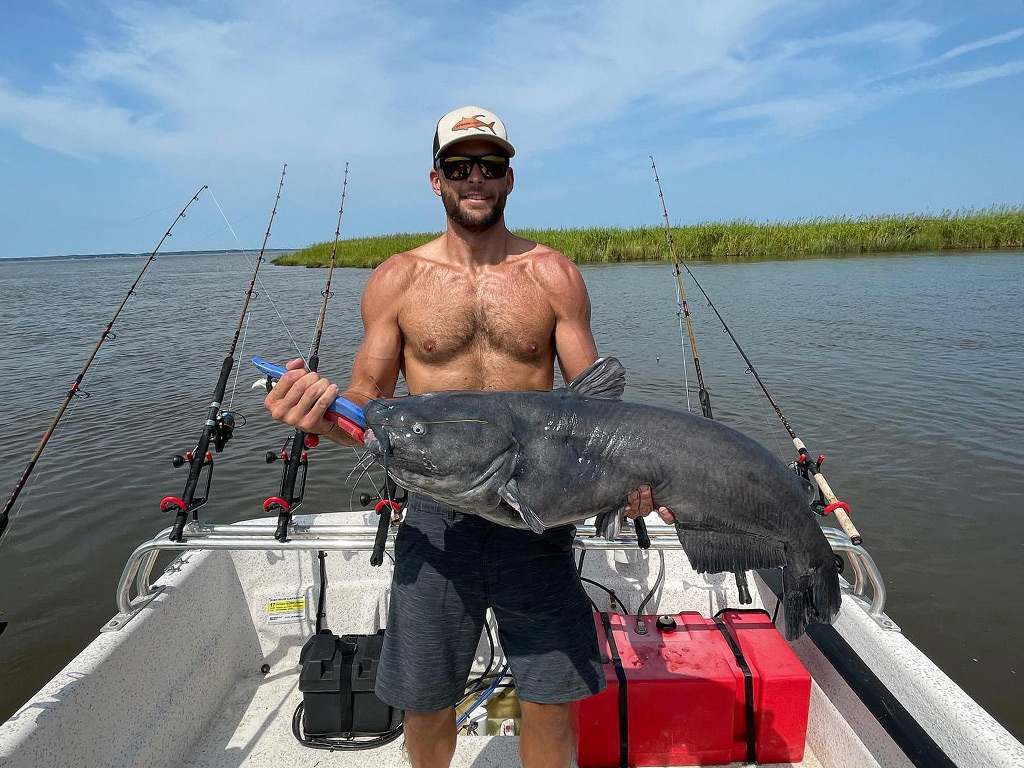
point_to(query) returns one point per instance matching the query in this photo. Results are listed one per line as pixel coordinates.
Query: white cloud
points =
(195, 88)
(963, 79)
(801, 116)
(910, 34)
(171, 86)
(978, 45)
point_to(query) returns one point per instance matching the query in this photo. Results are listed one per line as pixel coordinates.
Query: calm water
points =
(908, 372)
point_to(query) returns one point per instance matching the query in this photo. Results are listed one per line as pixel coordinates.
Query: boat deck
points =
(258, 734)
(178, 679)
(253, 727)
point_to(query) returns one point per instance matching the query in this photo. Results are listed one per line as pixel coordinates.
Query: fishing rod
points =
(295, 457)
(684, 308)
(684, 312)
(77, 383)
(810, 468)
(220, 424)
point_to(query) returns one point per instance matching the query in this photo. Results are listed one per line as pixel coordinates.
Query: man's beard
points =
(475, 221)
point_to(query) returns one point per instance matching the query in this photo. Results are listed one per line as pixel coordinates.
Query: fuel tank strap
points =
(748, 686)
(620, 675)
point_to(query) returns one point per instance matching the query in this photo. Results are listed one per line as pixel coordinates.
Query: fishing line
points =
(810, 468)
(220, 423)
(295, 451)
(682, 350)
(684, 309)
(362, 462)
(241, 354)
(143, 216)
(75, 388)
(259, 280)
(764, 414)
(192, 243)
(16, 513)
(702, 393)
(365, 473)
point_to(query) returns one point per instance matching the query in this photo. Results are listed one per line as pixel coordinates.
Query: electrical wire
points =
(609, 591)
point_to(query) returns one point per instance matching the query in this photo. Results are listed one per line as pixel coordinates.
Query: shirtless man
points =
(477, 308)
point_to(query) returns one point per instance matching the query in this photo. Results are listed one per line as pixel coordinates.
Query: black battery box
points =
(337, 680)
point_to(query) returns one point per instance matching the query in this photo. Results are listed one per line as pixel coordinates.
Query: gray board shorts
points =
(449, 568)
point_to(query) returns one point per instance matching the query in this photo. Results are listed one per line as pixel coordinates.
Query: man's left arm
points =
(575, 349)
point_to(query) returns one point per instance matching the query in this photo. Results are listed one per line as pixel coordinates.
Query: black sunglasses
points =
(458, 167)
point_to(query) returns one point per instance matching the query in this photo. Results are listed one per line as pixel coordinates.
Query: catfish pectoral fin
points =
(514, 498)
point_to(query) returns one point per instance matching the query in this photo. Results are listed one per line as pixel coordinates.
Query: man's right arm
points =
(301, 398)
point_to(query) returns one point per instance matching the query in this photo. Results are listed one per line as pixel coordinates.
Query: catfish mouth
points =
(377, 443)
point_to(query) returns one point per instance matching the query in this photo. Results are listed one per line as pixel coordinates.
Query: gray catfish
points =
(541, 459)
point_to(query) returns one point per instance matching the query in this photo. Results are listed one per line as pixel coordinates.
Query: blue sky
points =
(113, 113)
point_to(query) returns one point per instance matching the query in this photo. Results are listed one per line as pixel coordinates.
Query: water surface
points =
(907, 372)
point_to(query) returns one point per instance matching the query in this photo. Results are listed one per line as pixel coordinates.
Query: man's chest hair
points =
(443, 320)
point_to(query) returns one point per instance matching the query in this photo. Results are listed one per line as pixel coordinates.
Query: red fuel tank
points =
(688, 698)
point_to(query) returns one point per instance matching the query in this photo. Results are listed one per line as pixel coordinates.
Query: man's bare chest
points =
(445, 317)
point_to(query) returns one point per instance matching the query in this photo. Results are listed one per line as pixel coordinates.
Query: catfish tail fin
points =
(810, 595)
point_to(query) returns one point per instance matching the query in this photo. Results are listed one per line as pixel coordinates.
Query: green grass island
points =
(973, 229)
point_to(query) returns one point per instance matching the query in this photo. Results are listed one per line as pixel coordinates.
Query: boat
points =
(200, 666)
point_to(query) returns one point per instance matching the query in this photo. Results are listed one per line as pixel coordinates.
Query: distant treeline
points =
(996, 227)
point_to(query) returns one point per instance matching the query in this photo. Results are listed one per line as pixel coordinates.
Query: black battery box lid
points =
(326, 659)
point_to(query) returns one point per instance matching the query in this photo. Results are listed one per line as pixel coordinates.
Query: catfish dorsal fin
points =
(605, 378)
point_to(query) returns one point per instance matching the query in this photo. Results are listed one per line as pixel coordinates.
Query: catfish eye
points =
(418, 429)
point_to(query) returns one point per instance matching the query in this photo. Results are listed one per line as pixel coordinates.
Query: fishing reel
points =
(224, 429)
(804, 468)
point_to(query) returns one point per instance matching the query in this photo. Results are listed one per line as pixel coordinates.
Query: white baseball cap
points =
(471, 123)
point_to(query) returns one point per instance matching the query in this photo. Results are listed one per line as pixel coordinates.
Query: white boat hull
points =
(180, 681)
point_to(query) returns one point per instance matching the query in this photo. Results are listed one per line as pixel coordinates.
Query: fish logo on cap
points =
(473, 122)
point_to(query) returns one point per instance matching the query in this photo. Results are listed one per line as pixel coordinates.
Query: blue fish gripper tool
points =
(346, 414)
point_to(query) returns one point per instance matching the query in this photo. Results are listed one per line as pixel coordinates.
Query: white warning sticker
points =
(285, 610)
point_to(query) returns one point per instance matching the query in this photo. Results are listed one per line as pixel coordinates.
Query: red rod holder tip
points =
(172, 502)
(394, 506)
(275, 501)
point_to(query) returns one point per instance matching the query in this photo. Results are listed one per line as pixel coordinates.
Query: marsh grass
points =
(972, 229)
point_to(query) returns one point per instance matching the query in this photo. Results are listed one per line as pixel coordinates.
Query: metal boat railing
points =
(306, 537)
